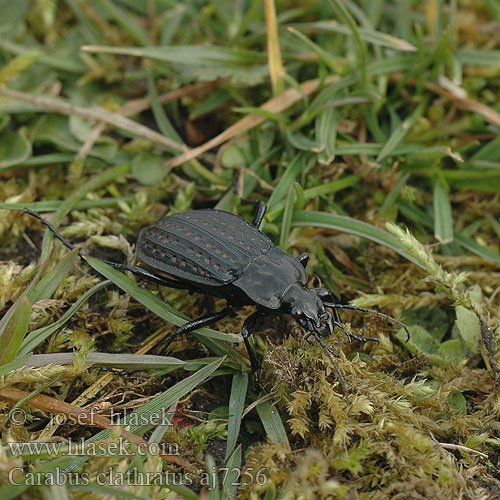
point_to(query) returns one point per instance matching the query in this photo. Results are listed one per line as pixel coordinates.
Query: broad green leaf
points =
(458, 402)
(469, 328)
(420, 339)
(56, 131)
(148, 169)
(14, 148)
(452, 350)
(13, 17)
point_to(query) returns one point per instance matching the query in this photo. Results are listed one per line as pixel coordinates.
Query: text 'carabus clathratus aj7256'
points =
(221, 254)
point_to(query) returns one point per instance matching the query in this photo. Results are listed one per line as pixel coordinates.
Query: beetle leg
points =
(259, 214)
(260, 211)
(246, 331)
(339, 324)
(307, 337)
(195, 324)
(303, 258)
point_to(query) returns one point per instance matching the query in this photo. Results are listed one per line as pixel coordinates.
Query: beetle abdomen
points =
(210, 247)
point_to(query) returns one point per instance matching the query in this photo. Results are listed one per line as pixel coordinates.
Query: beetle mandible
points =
(222, 254)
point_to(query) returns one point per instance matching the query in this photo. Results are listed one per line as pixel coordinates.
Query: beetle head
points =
(306, 306)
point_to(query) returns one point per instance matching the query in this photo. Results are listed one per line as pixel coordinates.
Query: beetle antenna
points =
(370, 311)
(330, 354)
(53, 230)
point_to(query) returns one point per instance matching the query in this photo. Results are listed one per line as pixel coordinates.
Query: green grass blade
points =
(478, 57)
(351, 226)
(108, 491)
(109, 360)
(161, 117)
(322, 54)
(311, 193)
(151, 301)
(362, 51)
(232, 476)
(424, 218)
(192, 55)
(44, 469)
(46, 287)
(13, 328)
(443, 219)
(272, 423)
(128, 23)
(213, 479)
(155, 407)
(366, 34)
(401, 130)
(236, 405)
(53, 205)
(286, 222)
(393, 195)
(35, 338)
(326, 125)
(295, 168)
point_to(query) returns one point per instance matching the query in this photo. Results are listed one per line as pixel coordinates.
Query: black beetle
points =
(221, 254)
